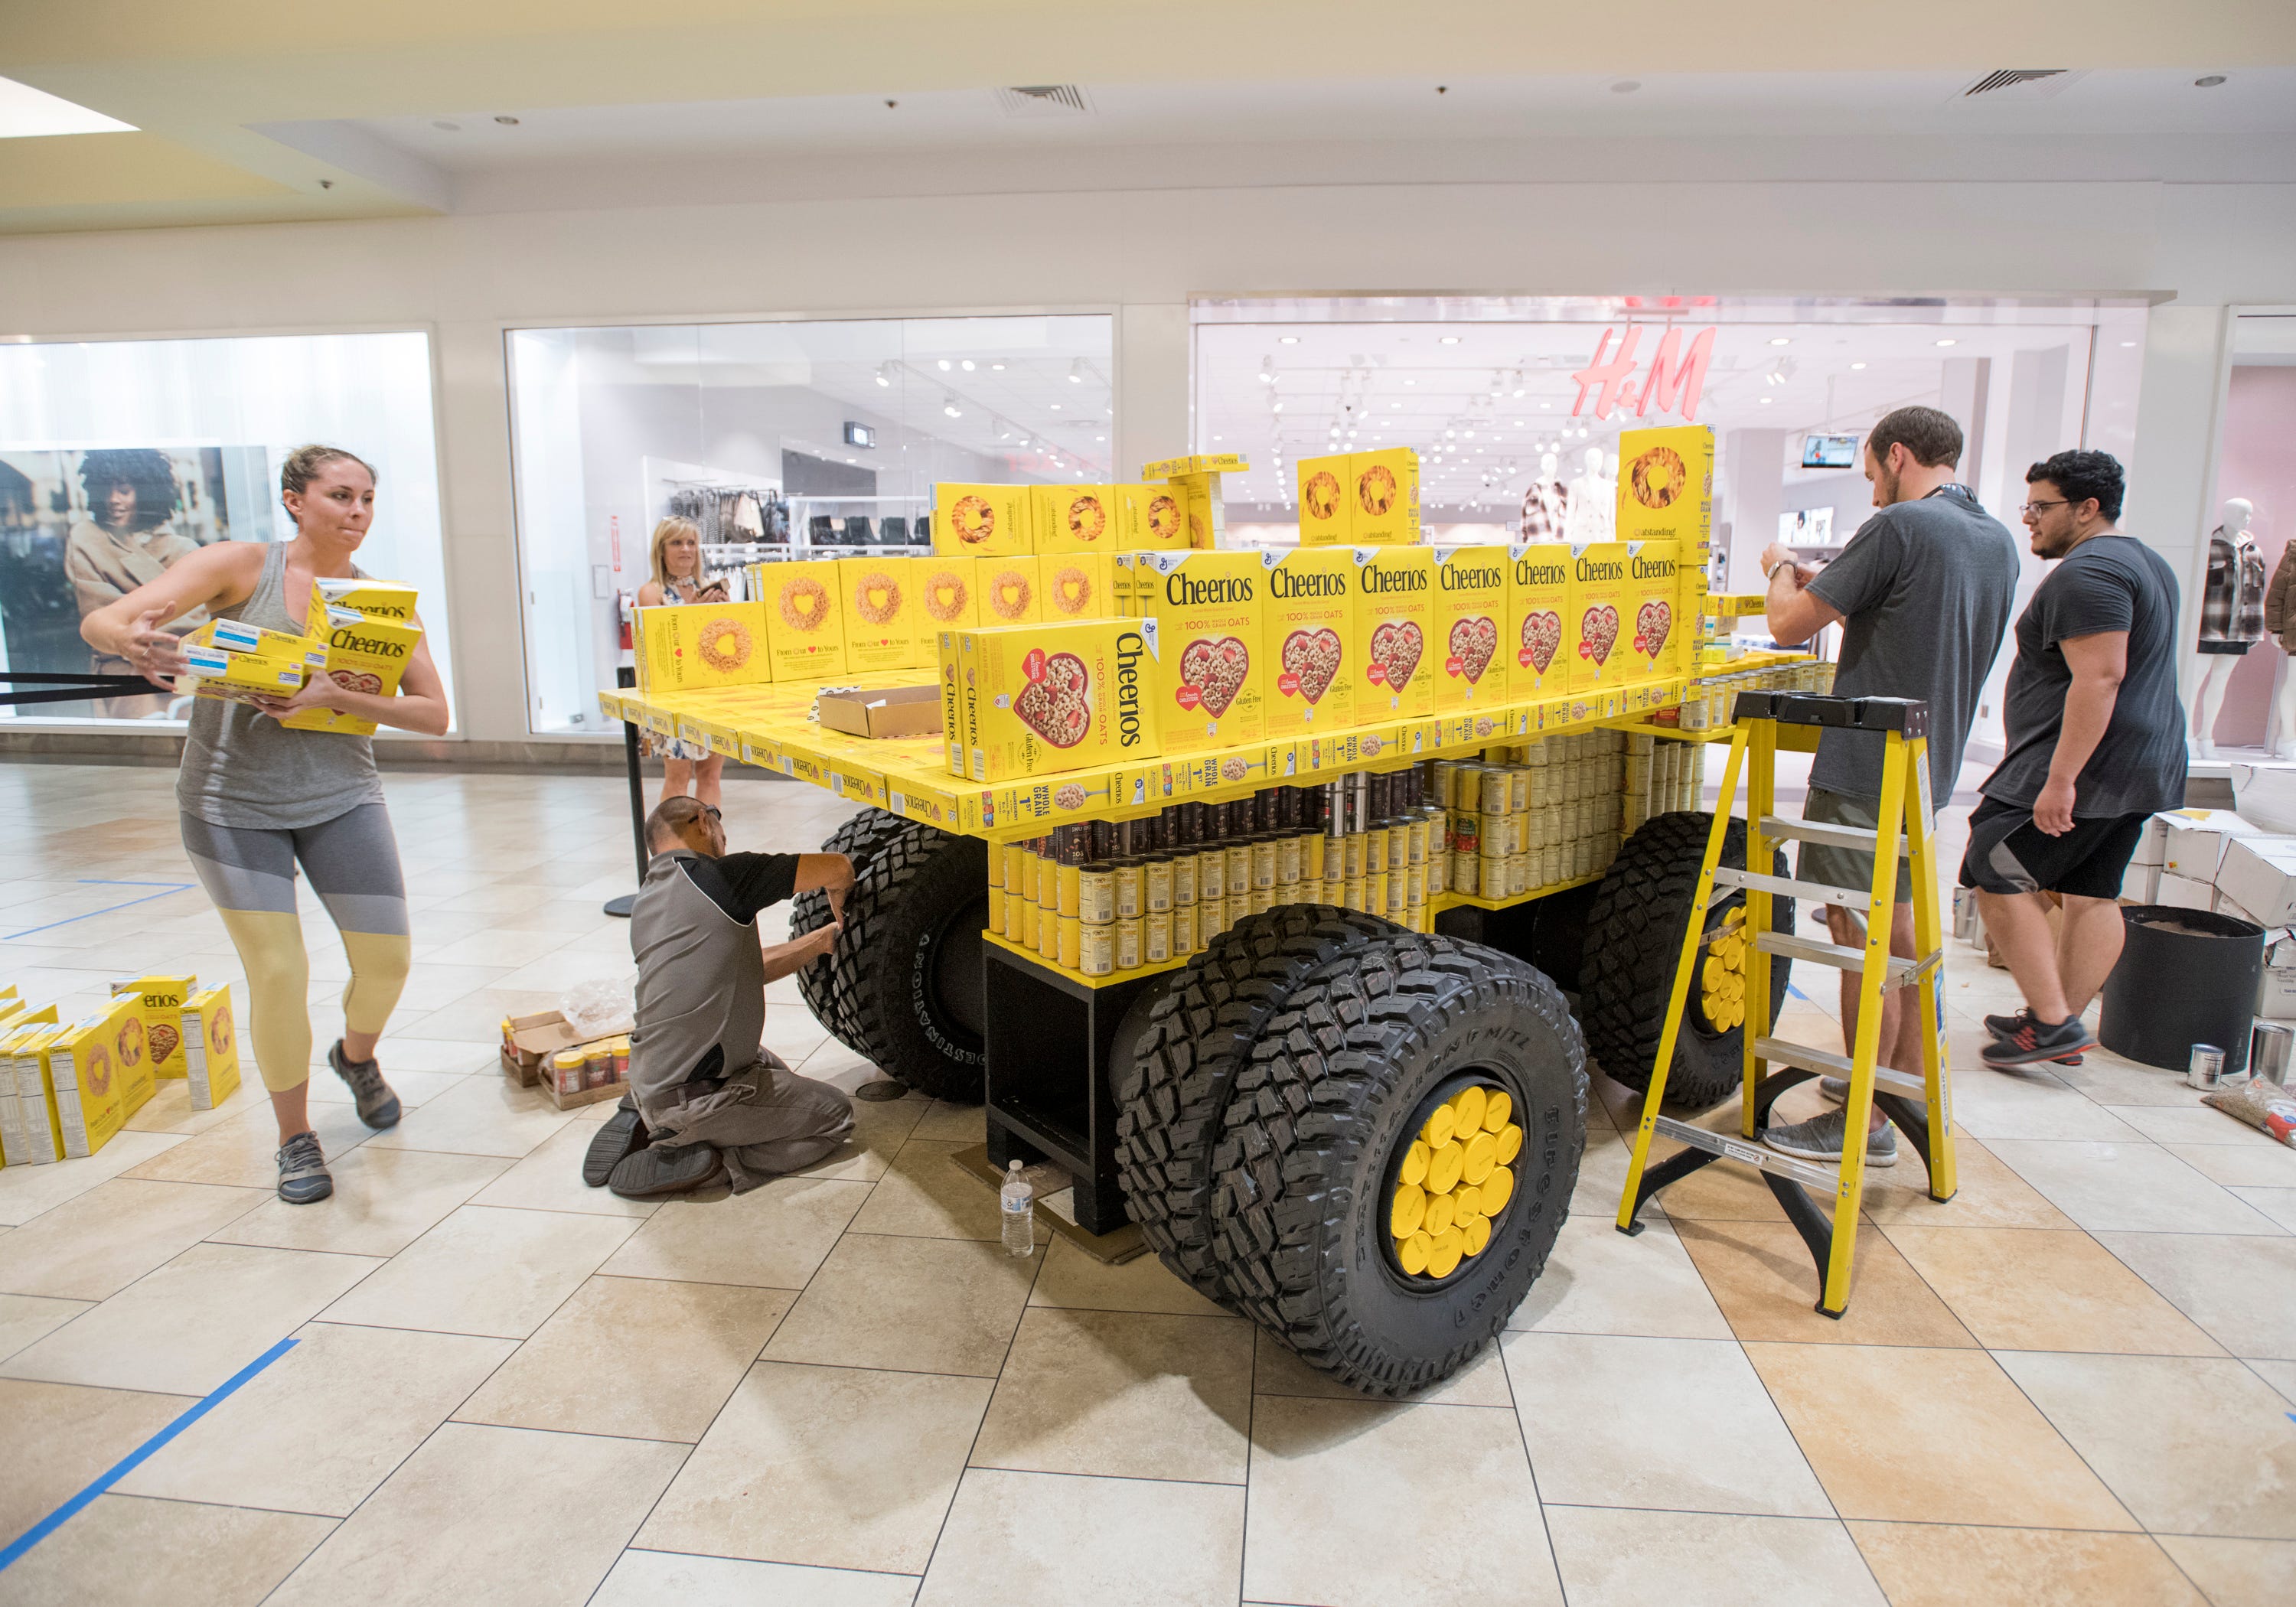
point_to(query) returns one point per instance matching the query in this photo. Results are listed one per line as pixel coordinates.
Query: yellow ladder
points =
(1921, 1106)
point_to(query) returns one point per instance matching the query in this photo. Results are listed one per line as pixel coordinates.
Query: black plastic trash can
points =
(2185, 977)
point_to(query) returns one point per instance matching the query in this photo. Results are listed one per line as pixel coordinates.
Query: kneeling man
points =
(708, 1101)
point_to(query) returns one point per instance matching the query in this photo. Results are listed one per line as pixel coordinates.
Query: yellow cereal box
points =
(160, 1003)
(1652, 610)
(221, 675)
(1311, 621)
(1327, 503)
(89, 1082)
(1666, 484)
(947, 593)
(1051, 698)
(883, 612)
(953, 739)
(1470, 593)
(1209, 610)
(27, 1118)
(369, 656)
(1074, 519)
(1011, 591)
(1395, 613)
(210, 1047)
(1538, 597)
(805, 628)
(670, 655)
(375, 599)
(982, 521)
(233, 635)
(1597, 610)
(1076, 586)
(1152, 515)
(1385, 485)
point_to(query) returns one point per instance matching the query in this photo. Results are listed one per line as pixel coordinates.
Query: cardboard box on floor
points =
(2259, 875)
(528, 1041)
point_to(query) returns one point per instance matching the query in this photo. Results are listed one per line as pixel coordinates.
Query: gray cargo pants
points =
(765, 1120)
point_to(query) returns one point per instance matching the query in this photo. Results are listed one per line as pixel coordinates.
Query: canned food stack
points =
(1382, 839)
(1529, 818)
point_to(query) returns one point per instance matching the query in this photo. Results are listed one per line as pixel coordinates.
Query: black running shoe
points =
(378, 1106)
(303, 1178)
(2034, 1042)
(2007, 1027)
(618, 1137)
(662, 1169)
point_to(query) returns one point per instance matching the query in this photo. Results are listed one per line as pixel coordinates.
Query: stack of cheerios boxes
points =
(65, 1090)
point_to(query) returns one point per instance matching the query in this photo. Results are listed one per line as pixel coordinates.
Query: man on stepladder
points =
(2095, 745)
(1922, 593)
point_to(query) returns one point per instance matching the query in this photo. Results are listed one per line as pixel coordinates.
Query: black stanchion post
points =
(627, 676)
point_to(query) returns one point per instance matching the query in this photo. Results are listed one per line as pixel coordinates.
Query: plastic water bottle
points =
(1017, 1203)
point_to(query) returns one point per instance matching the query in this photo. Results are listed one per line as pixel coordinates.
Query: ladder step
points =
(1815, 831)
(1902, 970)
(1814, 892)
(1780, 1052)
(1756, 1155)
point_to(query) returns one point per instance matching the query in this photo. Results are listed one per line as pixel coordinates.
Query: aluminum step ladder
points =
(1921, 1106)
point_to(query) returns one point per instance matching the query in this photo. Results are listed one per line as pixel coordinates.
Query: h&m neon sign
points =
(1675, 379)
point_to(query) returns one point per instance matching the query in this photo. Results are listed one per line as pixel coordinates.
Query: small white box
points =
(2194, 840)
(2276, 999)
(2152, 845)
(2259, 874)
(2141, 883)
(2184, 892)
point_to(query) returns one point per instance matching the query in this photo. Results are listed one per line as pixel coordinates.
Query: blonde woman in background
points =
(675, 557)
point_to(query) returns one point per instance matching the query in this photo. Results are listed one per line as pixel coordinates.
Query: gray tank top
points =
(243, 768)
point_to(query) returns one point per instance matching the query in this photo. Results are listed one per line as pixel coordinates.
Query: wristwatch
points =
(1771, 574)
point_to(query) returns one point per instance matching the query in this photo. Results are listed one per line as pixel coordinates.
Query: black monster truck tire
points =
(823, 983)
(1633, 940)
(1198, 1036)
(908, 962)
(1336, 1091)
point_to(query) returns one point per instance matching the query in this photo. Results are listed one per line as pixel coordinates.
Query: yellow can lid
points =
(1497, 1109)
(1443, 1254)
(1510, 1144)
(1441, 1208)
(1441, 1127)
(1710, 974)
(1469, 1104)
(1407, 1213)
(1482, 1155)
(1467, 1201)
(1498, 1189)
(1414, 1163)
(1414, 1252)
(1479, 1234)
(1444, 1167)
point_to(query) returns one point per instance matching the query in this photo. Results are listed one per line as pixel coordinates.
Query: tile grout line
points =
(1522, 1439)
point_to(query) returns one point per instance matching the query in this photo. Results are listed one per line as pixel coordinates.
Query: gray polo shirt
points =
(701, 976)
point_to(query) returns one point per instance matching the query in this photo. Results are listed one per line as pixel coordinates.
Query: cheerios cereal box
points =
(1076, 586)
(367, 655)
(1152, 515)
(1385, 489)
(236, 636)
(805, 627)
(1074, 519)
(1597, 616)
(1395, 616)
(210, 1047)
(221, 674)
(1011, 591)
(89, 1080)
(946, 592)
(1532, 638)
(375, 599)
(983, 522)
(951, 661)
(884, 616)
(1311, 623)
(1650, 626)
(1470, 591)
(1050, 698)
(159, 1008)
(1210, 609)
(1327, 503)
(1666, 484)
(28, 1122)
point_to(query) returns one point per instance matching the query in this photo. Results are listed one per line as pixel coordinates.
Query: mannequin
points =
(2280, 621)
(1593, 514)
(1543, 504)
(2232, 615)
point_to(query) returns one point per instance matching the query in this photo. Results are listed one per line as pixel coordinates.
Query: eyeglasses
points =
(713, 811)
(2036, 507)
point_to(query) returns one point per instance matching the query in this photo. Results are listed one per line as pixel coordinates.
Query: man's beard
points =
(1886, 481)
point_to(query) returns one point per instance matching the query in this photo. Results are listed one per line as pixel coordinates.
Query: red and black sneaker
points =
(2006, 1027)
(2034, 1042)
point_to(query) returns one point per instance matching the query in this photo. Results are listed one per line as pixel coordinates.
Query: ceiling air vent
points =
(2023, 83)
(1044, 100)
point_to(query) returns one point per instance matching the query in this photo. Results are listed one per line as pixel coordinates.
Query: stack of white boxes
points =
(2213, 860)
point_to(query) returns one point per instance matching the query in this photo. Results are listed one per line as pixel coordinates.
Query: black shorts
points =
(2009, 854)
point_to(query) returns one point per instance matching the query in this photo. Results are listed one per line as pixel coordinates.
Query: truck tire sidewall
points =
(907, 916)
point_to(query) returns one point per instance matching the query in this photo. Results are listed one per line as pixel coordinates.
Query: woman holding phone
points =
(675, 557)
(257, 799)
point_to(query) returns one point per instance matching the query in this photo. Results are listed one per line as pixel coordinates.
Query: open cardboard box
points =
(897, 711)
(528, 1041)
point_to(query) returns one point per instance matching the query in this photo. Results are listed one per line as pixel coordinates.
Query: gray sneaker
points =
(1835, 1089)
(303, 1178)
(378, 1106)
(1820, 1139)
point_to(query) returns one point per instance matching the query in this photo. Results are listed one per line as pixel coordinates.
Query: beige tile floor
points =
(2071, 1384)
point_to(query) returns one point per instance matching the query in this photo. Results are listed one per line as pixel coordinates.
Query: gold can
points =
(1518, 875)
(1375, 850)
(1414, 884)
(1399, 847)
(1211, 876)
(1128, 891)
(1465, 876)
(996, 865)
(1289, 860)
(1351, 893)
(1069, 934)
(1211, 920)
(1240, 906)
(1184, 929)
(1375, 893)
(1048, 931)
(1009, 858)
(1398, 892)
(1467, 788)
(1156, 936)
(1263, 899)
(1096, 950)
(1096, 895)
(1417, 834)
(1439, 870)
(1311, 856)
(1183, 879)
(1031, 873)
(1466, 832)
(1265, 858)
(1492, 869)
(1127, 944)
(995, 902)
(1017, 909)
(1518, 791)
(1352, 859)
(1239, 868)
(1064, 881)
(1156, 885)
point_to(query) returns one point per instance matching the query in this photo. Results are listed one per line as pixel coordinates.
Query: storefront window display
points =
(782, 435)
(2243, 685)
(118, 457)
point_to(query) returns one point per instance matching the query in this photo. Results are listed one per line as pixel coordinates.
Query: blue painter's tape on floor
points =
(169, 888)
(136, 1458)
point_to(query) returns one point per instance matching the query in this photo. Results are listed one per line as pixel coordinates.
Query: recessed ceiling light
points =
(1056, 407)
(507, 122)
(1546, 404)
(1780, 340)
(1948, 341)
(944, 365)
(1287, 340)
(1858, 365)
(995, 365)
(1767, 400)
(1411, 381)
(2128, 343)
(1450, 340)
(1076, 370)
(966, 366)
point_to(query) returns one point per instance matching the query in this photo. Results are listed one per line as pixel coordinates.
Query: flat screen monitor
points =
(1829, 451)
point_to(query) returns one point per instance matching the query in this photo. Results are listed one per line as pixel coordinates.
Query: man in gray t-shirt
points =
(1922, 594)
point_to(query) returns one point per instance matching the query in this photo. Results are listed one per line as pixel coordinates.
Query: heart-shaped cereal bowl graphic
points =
(1598, 633)
(221, 1036)
(1542, 635)
(1216, 666)
(357, 680)
(945, 595)
(1311, 658)
(1396, 647)
(1653, 624)
(1473, 641)
(164, 1039)
(1058, 707)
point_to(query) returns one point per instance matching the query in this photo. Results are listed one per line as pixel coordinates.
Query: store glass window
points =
(796, 435)
(117, 457)
(2243, 690)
